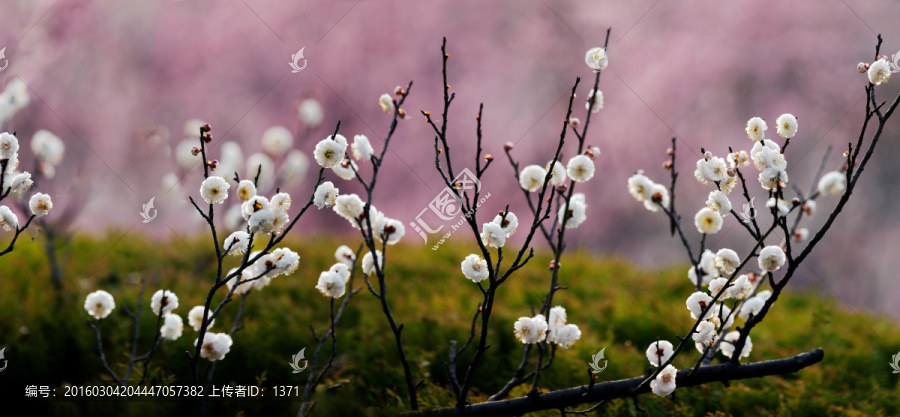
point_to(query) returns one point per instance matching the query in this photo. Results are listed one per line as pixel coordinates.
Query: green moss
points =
(618, 306)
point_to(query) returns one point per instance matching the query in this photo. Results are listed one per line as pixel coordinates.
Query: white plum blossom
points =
(719, 312)
(386, 102)
(342, 270)
(493, 235)
(40, 204)
(756, 129)
(277, 140)
(771, 258)
(879, 72)
(640, 187)
(310, 112)
(475, 268)
(361, 148)
(172, 327)
(262, 222)
(738, 159)
(780, 205)
(581, 168)
(697, 302)
(708, 221)
(659, 196)
(368, 263)
(771, 178)
(809, 208)
(195, 317)
(664, 383)
(729, 184)
(280, 202)
(9, 146)
(509, 223)
(787, 125)
(727, 261)
(293, 168)
(246, 190)
(214, 346)
(716, 285)
(21, 183)
(707, 268)
(740, 288)
(325, 195)
(349, 206)
(330, 151)
(240, 281)
(710, 170)
(764, 295)
(285, 261)
(8, 220)
(752, 305)
(530, 330)
(598, 102)
(214, 189)
(659, 352)
(260, 163)
(575, 215)
(801, 235)
(346, 170)
(345, 254)
(331, 284)
(705, 333)
(166, 306)
(565, 336)
(393, 230)
(532, 178)
(99, 304)
(718, 202)
(596, 58)
(47, 147)
(832, 183)
(558, 318)
(557, 174)
(237, 243)
(727, 345)
(767, 154)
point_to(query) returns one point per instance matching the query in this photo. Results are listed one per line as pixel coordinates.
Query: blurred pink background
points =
(117, 82)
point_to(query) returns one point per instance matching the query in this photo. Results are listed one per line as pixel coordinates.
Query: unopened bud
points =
(212, 164)
(195, 151)
(795, 201)
(861, 67)
(205, 128)
(488, 157)
(670, 152)
(730, 172)
(667, 165)
(574, 122)
(401, 113)
(206, 137)
(399, 91)
(508, 146)
(592, 152)
(554, 265)
(707, 155)
(562, 188)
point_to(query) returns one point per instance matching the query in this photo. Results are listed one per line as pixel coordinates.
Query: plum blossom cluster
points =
(17, 184)
(729, 289)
